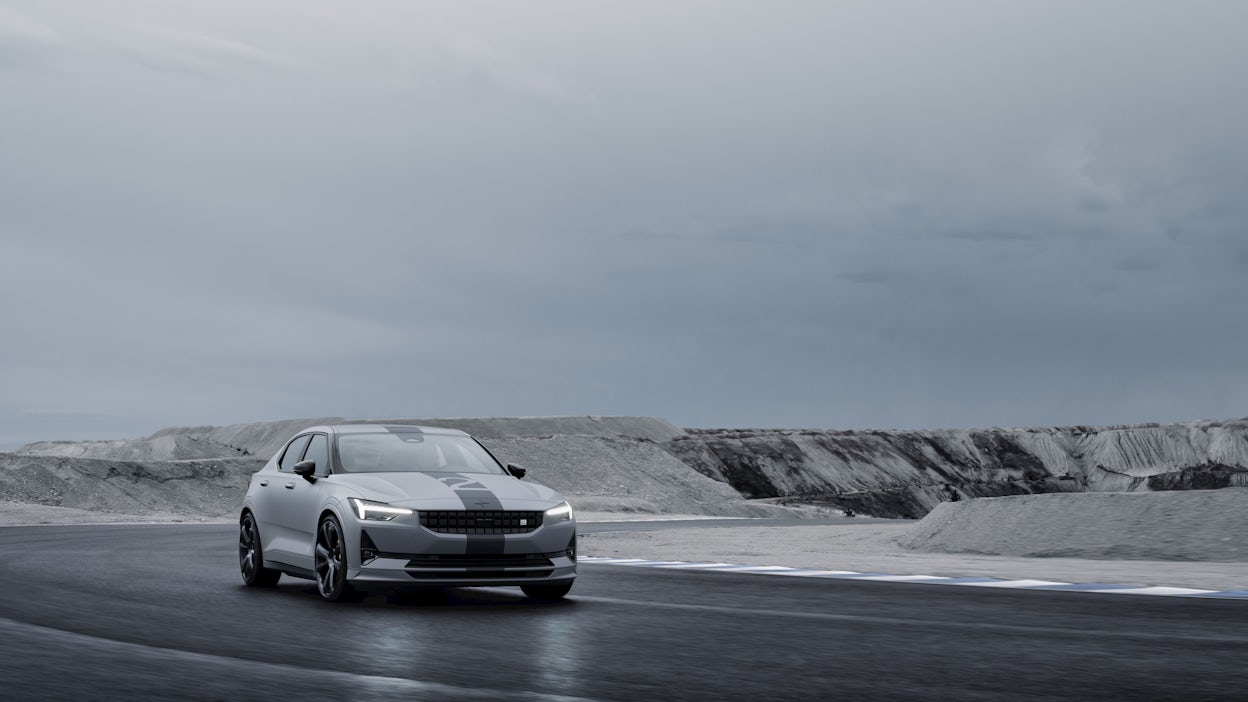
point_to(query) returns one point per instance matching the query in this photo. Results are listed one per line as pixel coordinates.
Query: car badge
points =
(483, 503)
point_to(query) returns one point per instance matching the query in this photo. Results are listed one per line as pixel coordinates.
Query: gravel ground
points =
(873, 548)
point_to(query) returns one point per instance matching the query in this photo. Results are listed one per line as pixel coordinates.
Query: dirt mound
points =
(615, 474)
(1190, 525)
(197, 488)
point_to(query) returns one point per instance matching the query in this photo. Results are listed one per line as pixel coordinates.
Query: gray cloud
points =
(809, 215)
(163, 49)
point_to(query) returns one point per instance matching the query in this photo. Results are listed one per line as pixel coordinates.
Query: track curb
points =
(1020, 584)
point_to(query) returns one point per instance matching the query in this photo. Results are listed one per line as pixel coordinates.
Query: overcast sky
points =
(728, 214)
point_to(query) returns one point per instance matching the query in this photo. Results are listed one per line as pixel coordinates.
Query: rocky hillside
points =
(907, 473)
(648, 465)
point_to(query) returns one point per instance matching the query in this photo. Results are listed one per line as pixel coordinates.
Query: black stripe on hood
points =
(477, 497)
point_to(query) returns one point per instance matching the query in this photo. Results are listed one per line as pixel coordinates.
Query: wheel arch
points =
(330, 511)
(350, 532)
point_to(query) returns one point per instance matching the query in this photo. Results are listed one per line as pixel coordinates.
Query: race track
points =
(158, 612)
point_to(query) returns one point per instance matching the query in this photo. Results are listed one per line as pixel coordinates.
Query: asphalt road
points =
(159, 612)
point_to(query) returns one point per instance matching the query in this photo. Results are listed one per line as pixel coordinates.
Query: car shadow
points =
(418, 598)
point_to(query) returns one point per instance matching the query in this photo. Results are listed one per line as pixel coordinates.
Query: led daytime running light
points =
(377, 511)
(560, 512)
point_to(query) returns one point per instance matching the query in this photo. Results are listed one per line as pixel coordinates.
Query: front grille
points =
(481, 522)
(477, 574)
(456, 566)
(469, 560)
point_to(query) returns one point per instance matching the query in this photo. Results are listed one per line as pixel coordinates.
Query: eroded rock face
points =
(907, 473)
(1211, 476)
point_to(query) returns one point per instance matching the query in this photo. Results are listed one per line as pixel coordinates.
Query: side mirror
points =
(516, 469)
(306, 469)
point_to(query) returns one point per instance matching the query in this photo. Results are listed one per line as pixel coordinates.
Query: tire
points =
(251, 555)
(330, 562)
(546, 593)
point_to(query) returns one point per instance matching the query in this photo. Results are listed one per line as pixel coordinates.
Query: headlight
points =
(561, 512)
(376, 511)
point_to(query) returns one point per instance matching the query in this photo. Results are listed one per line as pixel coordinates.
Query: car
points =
(360, 507)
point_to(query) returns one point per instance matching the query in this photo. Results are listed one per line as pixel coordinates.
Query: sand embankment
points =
(1189, 525)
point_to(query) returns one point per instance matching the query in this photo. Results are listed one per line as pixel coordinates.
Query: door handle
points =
(264, 483)
(290, 485)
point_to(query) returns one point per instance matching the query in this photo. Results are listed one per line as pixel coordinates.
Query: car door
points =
(301, 504)
(273, 503)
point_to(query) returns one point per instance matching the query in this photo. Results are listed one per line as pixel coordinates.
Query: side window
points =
(318, 451)
(293, 454)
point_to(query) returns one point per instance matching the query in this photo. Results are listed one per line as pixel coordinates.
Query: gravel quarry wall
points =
(908, 473)
(645, 464)
(1190, 525)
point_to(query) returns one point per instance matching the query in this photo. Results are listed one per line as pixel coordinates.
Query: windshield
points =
(378, 452)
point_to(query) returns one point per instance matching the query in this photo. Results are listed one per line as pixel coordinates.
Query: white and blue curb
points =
(1050, 585)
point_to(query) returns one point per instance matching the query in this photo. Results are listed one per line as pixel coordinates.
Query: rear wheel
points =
(546, 593)
(251, 555)
(330, 561)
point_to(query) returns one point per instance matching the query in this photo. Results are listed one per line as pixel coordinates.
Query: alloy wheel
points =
(330, 561)
(248, 553)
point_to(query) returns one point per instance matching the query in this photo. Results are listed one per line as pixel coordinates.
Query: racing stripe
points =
(477, 497)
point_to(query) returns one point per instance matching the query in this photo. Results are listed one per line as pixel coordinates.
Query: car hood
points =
(448, 490)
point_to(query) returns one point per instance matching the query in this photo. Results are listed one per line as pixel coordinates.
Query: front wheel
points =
(330, 561)
(546, 593)
(251, 555)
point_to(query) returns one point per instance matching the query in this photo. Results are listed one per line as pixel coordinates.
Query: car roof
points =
(367, 428)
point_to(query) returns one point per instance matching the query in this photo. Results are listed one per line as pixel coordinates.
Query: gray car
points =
(366, 506)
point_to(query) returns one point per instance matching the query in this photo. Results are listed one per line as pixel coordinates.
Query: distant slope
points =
(260, 439)
(907, 473)
(169, 447)
(647, 464)
(647, 428)
(256, 439)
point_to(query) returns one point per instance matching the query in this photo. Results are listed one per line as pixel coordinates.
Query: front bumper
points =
(402, 552)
